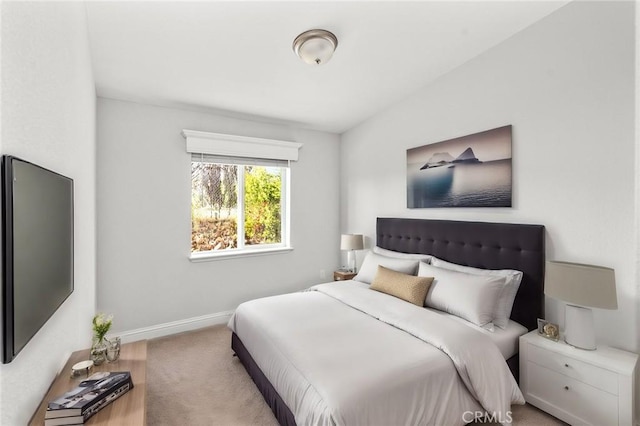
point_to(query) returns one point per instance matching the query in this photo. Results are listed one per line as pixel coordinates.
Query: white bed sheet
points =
(506, 340)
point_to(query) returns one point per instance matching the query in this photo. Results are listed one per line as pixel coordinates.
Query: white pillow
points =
(371, 261)
(504, 306)
(399, 255)
(472, 297)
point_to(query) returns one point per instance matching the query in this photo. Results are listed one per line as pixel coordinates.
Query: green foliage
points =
(101, 325)
(262, 206)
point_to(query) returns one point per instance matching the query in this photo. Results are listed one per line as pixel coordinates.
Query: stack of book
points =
(79, 404)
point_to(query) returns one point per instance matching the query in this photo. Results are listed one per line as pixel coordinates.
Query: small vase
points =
(98, 351)
(113, 349)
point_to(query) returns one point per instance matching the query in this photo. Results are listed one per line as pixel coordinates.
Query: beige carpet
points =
(193, 379)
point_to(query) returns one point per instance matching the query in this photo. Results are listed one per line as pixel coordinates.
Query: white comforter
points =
(343, 354)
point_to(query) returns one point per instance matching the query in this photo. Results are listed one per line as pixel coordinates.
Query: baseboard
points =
(174, 327)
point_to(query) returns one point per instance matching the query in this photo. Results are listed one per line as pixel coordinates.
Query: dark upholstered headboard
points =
(481, 245)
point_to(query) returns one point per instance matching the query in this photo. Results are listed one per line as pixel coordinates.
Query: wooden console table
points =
(129, 409)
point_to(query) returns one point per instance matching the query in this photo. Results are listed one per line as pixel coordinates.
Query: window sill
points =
(209, 256)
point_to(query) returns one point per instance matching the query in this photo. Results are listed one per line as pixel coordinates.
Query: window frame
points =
(239, 148)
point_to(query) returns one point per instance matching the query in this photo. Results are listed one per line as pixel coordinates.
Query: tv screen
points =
(37, 249)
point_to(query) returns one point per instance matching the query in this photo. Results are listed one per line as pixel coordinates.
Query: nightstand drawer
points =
(586, 373)
(586, 404)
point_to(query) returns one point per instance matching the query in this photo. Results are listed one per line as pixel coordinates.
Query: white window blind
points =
(238, 161)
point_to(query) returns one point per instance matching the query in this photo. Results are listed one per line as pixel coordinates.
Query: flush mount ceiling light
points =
(315, 47)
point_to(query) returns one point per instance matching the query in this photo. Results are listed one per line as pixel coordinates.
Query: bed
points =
(301, 360)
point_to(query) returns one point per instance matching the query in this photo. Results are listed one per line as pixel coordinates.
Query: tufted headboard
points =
(481, 245)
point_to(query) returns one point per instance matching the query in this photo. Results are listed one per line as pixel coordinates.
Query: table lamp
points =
(351, 242)
(582, 287)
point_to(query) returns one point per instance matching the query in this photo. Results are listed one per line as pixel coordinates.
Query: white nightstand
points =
(578, 386)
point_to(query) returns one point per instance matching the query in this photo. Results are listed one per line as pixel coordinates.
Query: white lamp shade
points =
(351, 242)
(583, 285)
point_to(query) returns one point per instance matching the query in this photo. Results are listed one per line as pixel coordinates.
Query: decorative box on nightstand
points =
(343, 275)
(575, 385)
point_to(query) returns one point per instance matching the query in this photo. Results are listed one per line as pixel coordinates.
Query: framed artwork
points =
(548, 329)
(469, 171)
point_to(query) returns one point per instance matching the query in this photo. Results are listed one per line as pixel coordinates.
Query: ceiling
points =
(235, 57)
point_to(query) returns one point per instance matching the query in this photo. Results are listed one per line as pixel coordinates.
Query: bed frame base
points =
(280, 410)
(514, 365)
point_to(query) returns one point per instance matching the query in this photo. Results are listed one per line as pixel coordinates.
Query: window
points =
(239, 204)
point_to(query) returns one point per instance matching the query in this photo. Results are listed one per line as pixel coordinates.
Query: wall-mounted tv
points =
(37, 249)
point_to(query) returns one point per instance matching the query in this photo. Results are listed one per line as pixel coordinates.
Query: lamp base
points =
(351, 261)
(579, 331)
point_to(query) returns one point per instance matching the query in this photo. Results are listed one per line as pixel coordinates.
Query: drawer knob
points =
(566, 388)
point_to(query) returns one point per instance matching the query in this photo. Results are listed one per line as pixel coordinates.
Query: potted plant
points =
(101, 325)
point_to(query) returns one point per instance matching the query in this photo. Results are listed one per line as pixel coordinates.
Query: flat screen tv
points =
(37, 249)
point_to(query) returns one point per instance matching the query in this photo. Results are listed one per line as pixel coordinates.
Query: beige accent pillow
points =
(406, 287)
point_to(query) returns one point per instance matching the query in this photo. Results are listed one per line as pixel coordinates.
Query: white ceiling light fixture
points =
(315, 47)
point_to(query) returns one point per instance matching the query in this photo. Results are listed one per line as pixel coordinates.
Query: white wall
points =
(144, 192)
(566, 84)
(48, 117)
